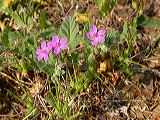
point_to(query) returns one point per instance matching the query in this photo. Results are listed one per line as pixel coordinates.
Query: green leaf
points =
(148, 22)
(46, 68)
(4, 37)
(74, 57)
(105, 7)
(31, 41)
(14, 35)
(86, 28)
(127, 51)
(48, 33)
(74, 116)
(125, 31)
(43, 19)
(134, 29)
(1, 5)
(70, 30)
(1, 62)
(1, 48)
(19, 19)
(29, 21)
(22, 19)
(112, 39)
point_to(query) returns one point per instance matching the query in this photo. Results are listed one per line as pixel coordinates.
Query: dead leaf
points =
(36, 88)
(147, 114)
(112, 53)
(24, 74)
(114, 76)
(156, 113)
(154, 61)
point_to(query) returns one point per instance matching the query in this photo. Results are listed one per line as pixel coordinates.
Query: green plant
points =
(70, 30)
(69, 60)
(129, 35)
(105, 6)
(28, 101)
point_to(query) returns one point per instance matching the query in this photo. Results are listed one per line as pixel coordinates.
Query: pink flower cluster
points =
(56, 44)
(96, 36)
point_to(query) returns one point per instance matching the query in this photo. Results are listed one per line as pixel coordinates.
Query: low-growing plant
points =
(68, 59)
(28, 101)
(105, 6)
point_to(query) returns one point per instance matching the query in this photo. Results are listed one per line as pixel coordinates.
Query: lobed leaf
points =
(70, 30)
(148, 22)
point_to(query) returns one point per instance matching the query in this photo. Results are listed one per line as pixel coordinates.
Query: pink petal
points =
(94, 41)
(38, 51)
(56, 50)
(55, 41)
(94, 29)
(63, 40)
(101, 39)
(46, 57)
(49, 46)
(43, 45)
(40, 57)
(101, 32)
(89, 35)
(63, 46)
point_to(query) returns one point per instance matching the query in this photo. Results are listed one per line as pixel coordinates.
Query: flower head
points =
(58, 44)
(43, 52)
(96, 36)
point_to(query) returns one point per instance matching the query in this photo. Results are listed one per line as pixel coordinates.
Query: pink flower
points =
(57, 44)
(96, 36)
(43, 52)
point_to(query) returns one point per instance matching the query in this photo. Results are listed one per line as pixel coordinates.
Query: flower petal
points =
(49, 46)
(63, 40)
(56, 50)
(101, 32)
(94, 29)
(101, 39)
(38, 51)
(40, 57)
(46, 57)
(63, 46)
(43, 45)
(55, 41)
(89, 35)
(95, 41)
